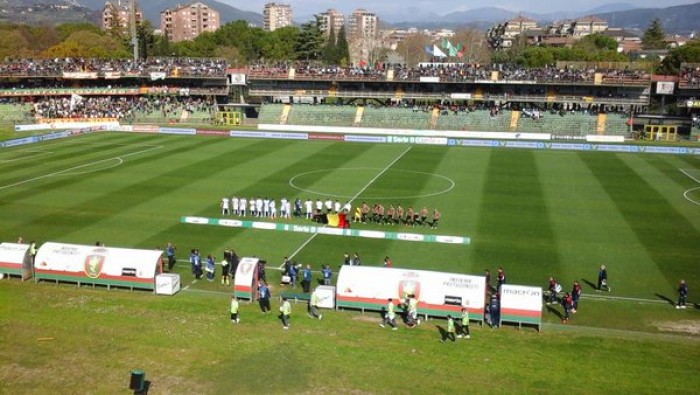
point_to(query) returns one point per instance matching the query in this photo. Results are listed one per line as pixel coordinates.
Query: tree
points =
(162, 46)
(12, 43)
(247, 40)
(66, 29)
(286, 39)
(114, 27)
(536, 57)
(330, 50)
(688, 53)
(231, 55)
(475, 48)
(412, 48)
(343, 49)
(310, 43)
(597, 42)
(277, 45)
(89, 45)
(146, 39)
(653, 37)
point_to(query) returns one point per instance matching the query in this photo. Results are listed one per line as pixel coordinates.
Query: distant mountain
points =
(413, 15)
(152, 8)
(678, 19)
(40, 11)
(681, 19)
(611, 7)
(45, 12)
(485, 14)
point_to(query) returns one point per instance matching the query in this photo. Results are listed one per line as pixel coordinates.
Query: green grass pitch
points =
(536, 213)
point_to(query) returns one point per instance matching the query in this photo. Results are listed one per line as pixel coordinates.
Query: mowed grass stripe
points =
(460, 207)
(174, 188)
(514, 229)
(590, 230)
(169, 194)
(667, 236)
(71, 203)
(57, 158)
(664, 174)
(414, 175)
(81, 155)
(349, 171)
(267, 174)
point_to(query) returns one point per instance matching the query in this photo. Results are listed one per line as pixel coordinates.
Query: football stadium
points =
(124, 187)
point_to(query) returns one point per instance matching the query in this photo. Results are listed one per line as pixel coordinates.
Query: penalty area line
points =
(375, 178)
(71, 169)
(688, 191)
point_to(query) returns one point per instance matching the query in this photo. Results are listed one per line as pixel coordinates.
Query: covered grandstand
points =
(567, 100)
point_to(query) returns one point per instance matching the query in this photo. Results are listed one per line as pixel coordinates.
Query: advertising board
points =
(438, 293)
(97, 265)
(521, 304)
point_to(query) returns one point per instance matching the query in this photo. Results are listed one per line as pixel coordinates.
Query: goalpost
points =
(661, 132)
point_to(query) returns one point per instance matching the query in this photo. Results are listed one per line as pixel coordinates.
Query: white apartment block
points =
(331, 19)
(277, 15)
(363, 24)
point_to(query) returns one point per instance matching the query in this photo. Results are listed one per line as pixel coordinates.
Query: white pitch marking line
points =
(188, 286)
(78, 167)
(689, 175)
(36, 153)
(119, 162)
(393, 162)
(685, 194)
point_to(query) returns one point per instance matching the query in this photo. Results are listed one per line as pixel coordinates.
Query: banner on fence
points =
(98, 265)
(438, 293)
(246, 279)
(16, 260)
(521, 304)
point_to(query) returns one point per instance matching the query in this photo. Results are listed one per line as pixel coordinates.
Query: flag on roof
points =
(437, 52)
(446, 44)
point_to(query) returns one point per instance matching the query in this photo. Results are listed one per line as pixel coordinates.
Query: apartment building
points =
(331, 19)
(188, 21)
(122, 11)
(276, 15)
(363, 24)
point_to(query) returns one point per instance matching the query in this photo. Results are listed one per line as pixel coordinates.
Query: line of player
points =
(396, 215)
(265, 207)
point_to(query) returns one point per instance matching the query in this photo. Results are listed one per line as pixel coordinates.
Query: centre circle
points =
(294, 181)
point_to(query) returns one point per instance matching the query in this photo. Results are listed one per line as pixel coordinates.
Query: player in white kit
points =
(309, 208)
(225, 206)
(273, 209)
(266, 207)
(242, 207)
(234, 205)
(258, 207)
(283, 207)
(288, 210)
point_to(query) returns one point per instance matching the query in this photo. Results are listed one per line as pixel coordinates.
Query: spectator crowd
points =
(120, 107)
(56, 67)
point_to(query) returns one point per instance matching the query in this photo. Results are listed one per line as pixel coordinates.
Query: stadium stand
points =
(474, 119)
(270, 113)
(616, 123)
(395, 117)
(11, 113)
(56, 67)
(323, 115)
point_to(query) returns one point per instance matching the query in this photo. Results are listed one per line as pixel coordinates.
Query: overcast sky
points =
(441, 7)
